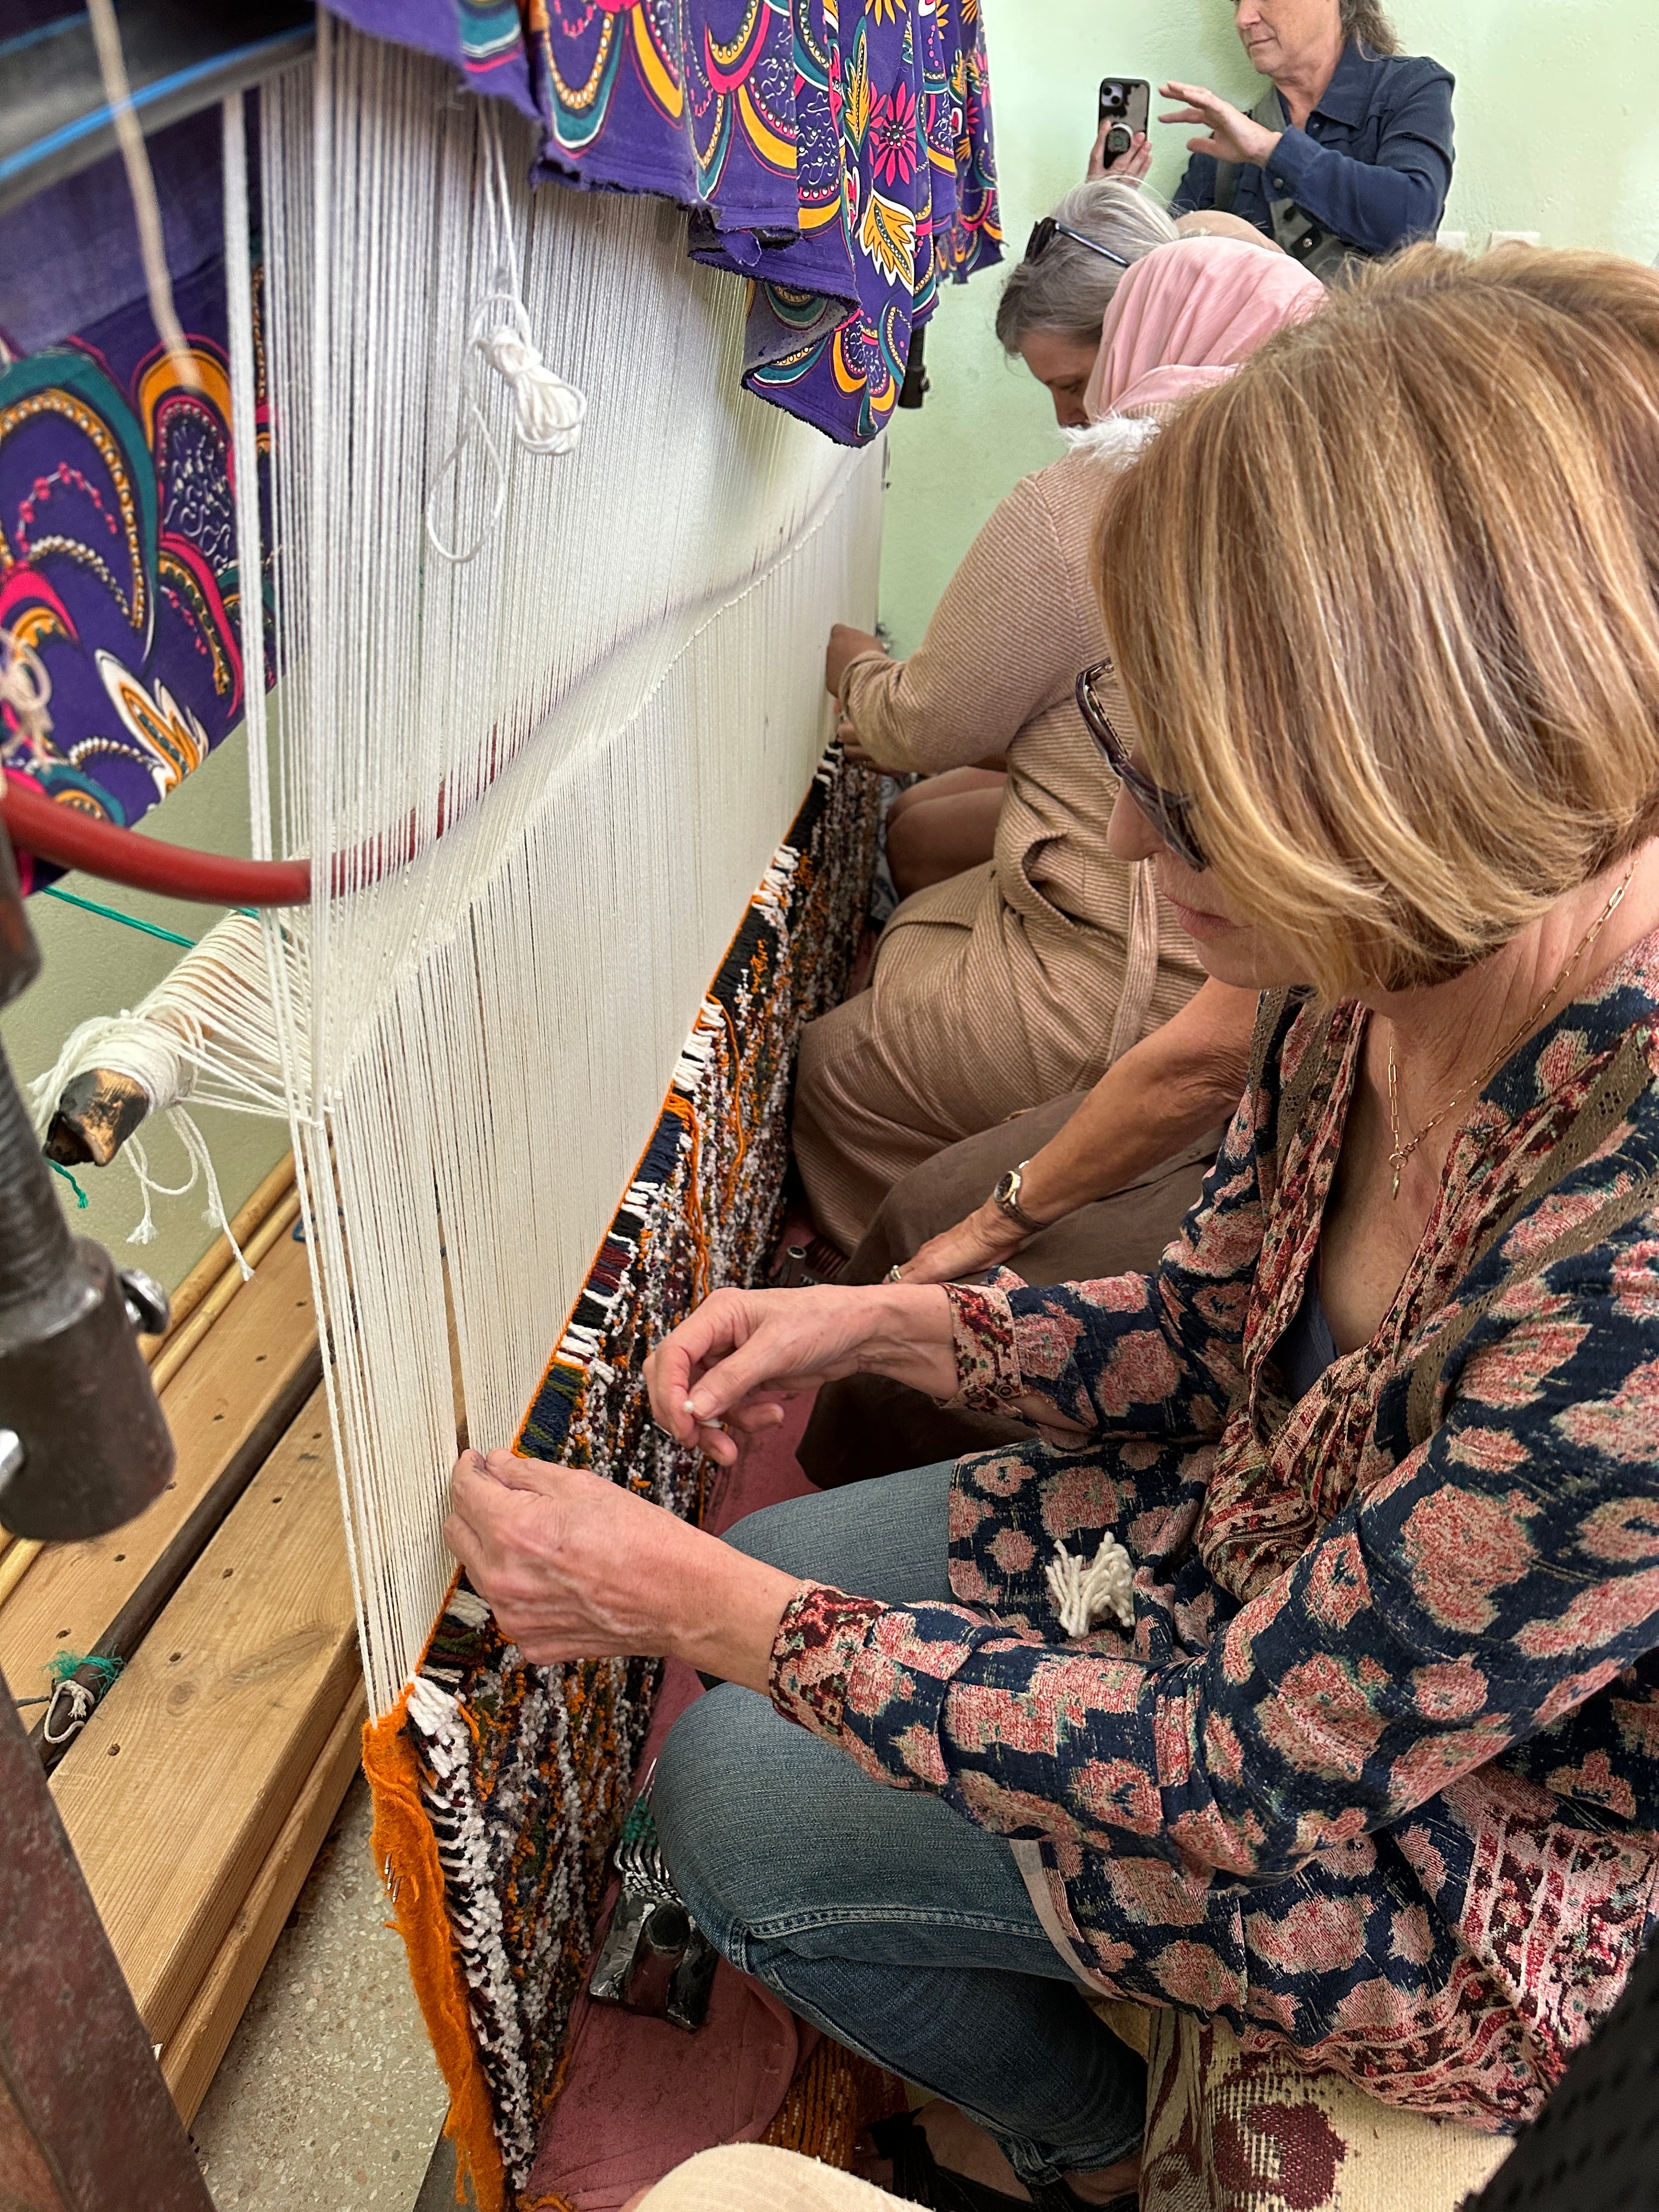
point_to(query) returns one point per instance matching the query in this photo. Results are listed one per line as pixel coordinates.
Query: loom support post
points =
(90, 1446)
(86, 2121)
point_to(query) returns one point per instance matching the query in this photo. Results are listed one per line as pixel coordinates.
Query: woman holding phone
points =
(1347, 156)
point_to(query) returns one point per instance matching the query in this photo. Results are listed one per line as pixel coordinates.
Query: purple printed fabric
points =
(840, 158)
(118, 535)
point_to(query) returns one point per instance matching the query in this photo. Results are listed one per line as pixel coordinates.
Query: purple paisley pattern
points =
(117, 556)
(836, 153)
(1374, 1776)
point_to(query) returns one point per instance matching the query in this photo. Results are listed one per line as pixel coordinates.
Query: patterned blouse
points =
(1375, 1775)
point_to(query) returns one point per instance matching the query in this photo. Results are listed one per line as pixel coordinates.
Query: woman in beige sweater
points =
(1026, 977)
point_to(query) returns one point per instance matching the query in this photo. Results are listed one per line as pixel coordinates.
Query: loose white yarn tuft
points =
(1084, 1591)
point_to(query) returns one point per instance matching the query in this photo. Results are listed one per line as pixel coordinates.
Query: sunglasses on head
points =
(1169, 815)
(1044, 234)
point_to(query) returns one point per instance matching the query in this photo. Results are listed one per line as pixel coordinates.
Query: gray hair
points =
(1069, 288)
(1365, 22)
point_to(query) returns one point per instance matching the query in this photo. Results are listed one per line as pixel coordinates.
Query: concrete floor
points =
(329, 2099)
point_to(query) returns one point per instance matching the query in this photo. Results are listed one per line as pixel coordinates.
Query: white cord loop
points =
(26, 688)
(1085, 1590)
(547, 412)
(80, 1701)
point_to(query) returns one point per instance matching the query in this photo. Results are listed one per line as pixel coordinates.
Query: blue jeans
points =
(900, 1927)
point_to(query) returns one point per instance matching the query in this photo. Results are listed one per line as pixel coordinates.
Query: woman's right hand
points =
(986, 1238)
(851, 747)
(733, 1363)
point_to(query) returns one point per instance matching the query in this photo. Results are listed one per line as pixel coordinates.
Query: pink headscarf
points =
(1185, 316)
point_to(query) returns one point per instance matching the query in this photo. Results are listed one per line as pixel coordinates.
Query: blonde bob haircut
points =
(1386, 607)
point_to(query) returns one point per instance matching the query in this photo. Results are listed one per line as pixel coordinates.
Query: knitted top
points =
(997, 673)
(1375, 1774)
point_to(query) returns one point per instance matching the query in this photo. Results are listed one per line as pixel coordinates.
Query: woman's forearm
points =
(1161, 1096)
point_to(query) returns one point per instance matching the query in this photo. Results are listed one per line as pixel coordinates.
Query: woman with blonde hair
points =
(1305, 1678)
(1025, 978)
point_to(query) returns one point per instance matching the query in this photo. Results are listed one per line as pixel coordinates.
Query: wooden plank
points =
(178, 1347)
(202, 2038)
(226, 1407)
(216, 1259)
(176, 1791)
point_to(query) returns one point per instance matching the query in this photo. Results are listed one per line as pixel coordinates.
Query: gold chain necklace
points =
(1400, 1153)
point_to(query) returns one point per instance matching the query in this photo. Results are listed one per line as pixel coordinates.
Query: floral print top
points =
(1375, 1775)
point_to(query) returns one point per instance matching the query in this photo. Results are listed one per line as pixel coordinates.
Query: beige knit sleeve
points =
(999, 649)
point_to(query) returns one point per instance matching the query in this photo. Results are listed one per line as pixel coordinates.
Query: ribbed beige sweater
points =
(1023, 978)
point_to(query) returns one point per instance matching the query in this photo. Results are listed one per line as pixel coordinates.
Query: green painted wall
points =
(97, 967)
(1557, 128)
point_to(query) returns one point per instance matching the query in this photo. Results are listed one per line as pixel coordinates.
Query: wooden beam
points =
(217, 1258)
(178, 1347)
(228, 1406)
(176, 1791)
(202, 2038)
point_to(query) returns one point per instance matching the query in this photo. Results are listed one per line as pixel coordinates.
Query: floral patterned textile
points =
(836, 154)
(1373, 1779)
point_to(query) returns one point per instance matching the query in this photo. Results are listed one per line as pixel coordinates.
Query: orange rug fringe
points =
(834, 2097)
(405, 1854)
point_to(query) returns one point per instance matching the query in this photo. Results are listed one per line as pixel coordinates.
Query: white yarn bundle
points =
(206, 1035)
(547, 412)
(1085, 1591)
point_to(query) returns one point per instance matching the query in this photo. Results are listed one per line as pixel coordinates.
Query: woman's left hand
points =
(1234, 136)
(846, 644)
(1128, 168)
(575, 1567)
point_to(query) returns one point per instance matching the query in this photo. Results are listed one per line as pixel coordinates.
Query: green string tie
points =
(63, 1664)
(57, 1168)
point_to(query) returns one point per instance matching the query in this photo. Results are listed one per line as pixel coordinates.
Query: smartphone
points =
(1125, 106)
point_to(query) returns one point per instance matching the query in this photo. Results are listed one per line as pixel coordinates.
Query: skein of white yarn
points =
(547, 412)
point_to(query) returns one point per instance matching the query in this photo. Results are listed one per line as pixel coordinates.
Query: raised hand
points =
(734, 1361)
(1233, 136)
(845, 646)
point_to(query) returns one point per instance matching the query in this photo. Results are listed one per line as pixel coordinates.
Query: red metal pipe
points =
(69, 839)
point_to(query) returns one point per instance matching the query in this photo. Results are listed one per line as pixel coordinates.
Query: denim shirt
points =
(1373, 165)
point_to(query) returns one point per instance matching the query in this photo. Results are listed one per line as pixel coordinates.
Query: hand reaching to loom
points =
(575, 1567)
(734, 1361)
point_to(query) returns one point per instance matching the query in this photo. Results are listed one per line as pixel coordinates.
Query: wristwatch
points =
(1005, 1198)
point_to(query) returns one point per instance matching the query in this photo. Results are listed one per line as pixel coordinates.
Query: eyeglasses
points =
(1168, 815)
(1044, 234)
